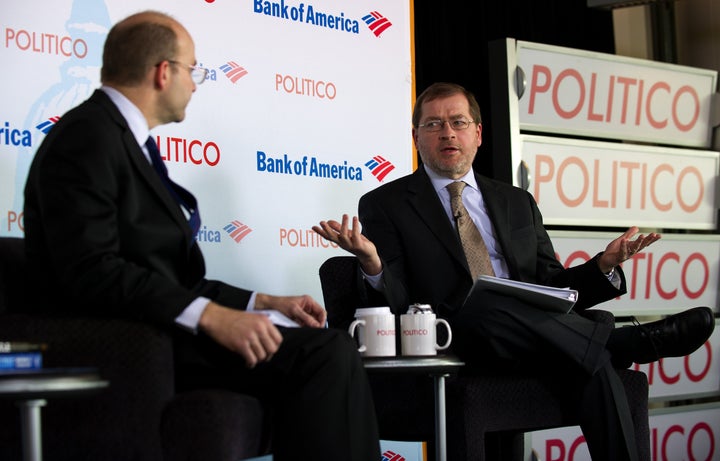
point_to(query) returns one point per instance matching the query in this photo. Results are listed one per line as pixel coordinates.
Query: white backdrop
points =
(308, 104)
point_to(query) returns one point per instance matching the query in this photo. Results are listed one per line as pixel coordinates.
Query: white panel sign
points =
(682, 433)
(693, 375)
(592, 183)
(603, 95)
(674, 273)
(691, 433)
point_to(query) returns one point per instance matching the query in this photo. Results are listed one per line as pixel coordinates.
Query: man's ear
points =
(161, 74)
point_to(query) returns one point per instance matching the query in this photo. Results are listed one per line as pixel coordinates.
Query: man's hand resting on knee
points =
(252, 334)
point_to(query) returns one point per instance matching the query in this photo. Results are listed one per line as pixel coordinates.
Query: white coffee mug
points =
(375, 331)
(419, 334)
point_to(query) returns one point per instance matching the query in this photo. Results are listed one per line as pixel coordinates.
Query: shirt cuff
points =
(614, 278)
(190, 317)
(375, 281)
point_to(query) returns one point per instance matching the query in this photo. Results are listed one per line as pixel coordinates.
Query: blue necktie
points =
(181, 195)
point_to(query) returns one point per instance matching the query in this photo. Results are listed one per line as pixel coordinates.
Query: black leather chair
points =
(486, 415)
(139, 416)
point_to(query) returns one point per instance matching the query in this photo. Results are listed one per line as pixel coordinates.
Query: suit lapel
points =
(498, 209)
(426, 203)
(141, 164)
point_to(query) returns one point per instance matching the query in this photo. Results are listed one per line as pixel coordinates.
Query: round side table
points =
(30, 389)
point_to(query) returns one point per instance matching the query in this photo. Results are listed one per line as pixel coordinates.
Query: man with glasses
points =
(411, 249)
(113, 235)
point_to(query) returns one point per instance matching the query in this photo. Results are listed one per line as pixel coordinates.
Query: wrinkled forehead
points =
(453, 106)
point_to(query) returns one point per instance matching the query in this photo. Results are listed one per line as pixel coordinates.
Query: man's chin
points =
(450, 170)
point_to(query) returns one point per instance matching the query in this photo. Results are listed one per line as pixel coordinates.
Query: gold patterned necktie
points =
(476, 252)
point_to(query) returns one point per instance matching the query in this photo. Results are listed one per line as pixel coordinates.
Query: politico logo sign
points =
(679, 433)
(175, 149)
(674, 273)
(695, 374)
(612, 184)
(609, 96)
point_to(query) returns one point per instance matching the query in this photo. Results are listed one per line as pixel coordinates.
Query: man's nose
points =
(446, 130)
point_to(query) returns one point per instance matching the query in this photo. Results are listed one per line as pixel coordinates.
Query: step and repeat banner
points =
(307, 106)
(677, 272)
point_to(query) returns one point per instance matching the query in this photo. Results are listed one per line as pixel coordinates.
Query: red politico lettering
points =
(667, 378)
(567, 163)
(629, 167)
(568, 73)
(544, 172)
(577, 443)
(696, 102)
(680, 186)
(181, 150)
(701, 428)
(303, 238)
(576, 257)
(635, 180)
(555, 449)
(658, 106)
(15, 218)
(661, 368)
(536, 87)
(659, 124)
(696, 448)
(552, 446)
(692, 376)
(654, 180)
(674, 429)
(591, 114)
(597, 203)
(670, 256)
(700, 273)
(705, 275)
(693, 281)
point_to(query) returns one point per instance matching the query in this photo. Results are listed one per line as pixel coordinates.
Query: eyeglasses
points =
(197, 74)
(437, 125)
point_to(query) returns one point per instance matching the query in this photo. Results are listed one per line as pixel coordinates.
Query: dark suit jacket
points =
(102, 230)
(424, 261)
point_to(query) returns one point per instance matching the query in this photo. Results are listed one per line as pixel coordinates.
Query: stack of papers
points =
(549, 298)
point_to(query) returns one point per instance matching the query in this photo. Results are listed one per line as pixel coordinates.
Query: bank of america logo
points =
(237, 230)
(390, 455)
(48, 124)
(376, 22)
(379, 167)
(233, 71)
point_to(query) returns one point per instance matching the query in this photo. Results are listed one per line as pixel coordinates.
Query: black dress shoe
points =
(677, 335)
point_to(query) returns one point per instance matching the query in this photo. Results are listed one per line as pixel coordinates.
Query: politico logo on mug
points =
(419, 331)
(375, 327)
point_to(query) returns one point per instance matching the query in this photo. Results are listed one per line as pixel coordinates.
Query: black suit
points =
(424, 262)
(108, 239)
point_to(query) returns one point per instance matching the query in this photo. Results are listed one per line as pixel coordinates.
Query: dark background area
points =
(452, 37)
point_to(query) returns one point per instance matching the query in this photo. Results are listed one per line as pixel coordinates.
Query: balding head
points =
(136, 44)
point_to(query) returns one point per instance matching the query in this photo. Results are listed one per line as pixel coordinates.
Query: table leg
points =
(440, 429)
(31, 430)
